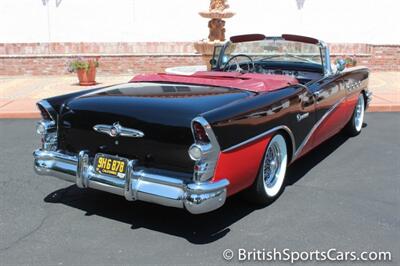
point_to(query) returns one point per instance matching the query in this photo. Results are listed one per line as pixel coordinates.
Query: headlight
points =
(195, 152)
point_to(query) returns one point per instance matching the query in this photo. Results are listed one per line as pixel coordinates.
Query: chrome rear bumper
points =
(138, 185)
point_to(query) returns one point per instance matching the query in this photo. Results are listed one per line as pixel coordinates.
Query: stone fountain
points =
(218, 11)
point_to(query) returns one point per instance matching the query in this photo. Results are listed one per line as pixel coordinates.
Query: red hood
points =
(249, 81)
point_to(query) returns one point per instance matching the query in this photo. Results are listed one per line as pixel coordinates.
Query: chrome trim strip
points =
(305, 141)
(199, 188)
(196, 197)
(307, 138)
(272, 130)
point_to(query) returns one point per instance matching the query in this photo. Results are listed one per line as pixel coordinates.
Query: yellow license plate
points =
(110, 165)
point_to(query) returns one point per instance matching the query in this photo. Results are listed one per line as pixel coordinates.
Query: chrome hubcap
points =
(272, 163)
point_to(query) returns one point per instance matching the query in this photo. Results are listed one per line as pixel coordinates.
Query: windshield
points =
(275, 50)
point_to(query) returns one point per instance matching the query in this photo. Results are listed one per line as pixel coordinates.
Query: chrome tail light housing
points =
(47, 127)
(204, 151)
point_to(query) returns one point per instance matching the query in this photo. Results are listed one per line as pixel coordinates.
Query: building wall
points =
(41, 36)
(130, 58)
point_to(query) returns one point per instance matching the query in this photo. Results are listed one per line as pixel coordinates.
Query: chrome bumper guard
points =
(138, 185)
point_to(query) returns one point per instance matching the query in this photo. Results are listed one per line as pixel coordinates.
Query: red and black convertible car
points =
(191, 141)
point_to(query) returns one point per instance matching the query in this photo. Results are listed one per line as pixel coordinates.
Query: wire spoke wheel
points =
(274, 166)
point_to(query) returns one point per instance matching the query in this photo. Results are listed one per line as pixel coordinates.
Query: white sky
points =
(365, 21)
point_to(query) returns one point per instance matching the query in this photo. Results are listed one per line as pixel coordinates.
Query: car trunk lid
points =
(163, 112)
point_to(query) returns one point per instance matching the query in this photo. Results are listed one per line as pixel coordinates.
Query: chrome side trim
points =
(208, 163)
(307, 138)
(272, 130)
(196, 197)
(305, 141)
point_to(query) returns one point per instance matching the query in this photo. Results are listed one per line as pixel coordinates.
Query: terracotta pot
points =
(87, 78)
(91, 73)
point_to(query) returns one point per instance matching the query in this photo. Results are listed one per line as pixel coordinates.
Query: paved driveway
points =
(344, 195)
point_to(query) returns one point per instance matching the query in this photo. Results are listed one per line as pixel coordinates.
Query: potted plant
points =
(85, 69)
(350, 62)
(347, 62)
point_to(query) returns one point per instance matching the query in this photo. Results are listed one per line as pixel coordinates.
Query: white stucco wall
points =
(366, 21)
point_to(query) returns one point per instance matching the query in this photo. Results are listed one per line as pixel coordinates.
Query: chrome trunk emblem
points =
(117, 130)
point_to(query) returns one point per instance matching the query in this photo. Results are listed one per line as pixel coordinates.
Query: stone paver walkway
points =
(19, 94)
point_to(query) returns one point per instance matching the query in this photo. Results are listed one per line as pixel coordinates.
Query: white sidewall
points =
(359, 123)
(280, 174)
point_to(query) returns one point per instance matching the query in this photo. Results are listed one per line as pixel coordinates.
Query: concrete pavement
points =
(19, 94)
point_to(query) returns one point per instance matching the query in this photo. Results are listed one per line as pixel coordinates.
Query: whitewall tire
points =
(354, 127)
(271, 177)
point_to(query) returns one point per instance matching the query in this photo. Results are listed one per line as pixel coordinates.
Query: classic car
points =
(191, 141)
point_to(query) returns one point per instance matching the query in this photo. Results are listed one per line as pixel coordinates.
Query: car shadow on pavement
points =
(197, 229)
(303, 165)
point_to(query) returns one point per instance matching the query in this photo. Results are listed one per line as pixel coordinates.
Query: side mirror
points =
(340, 65)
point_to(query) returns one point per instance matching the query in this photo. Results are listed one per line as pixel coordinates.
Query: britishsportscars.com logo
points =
(292, 256)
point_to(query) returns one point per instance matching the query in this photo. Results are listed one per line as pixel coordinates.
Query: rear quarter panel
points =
(237, 123)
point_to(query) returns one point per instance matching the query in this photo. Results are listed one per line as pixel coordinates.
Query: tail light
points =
(204, 151)
(199, 133)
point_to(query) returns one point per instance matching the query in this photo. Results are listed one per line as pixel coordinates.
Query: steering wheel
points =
(250, 64)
